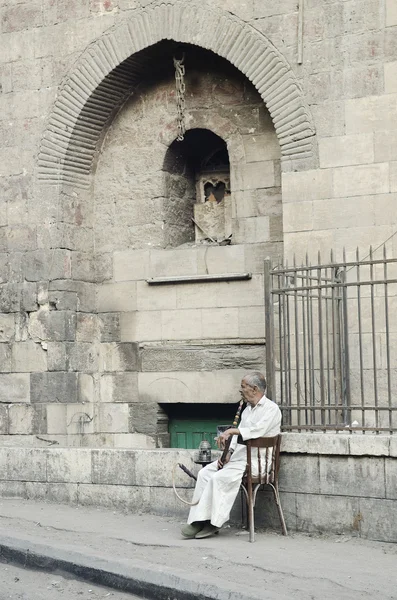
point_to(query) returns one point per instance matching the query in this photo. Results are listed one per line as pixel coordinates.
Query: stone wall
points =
(87, 115)
(339, 484)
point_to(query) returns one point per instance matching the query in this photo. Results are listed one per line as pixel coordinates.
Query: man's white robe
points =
(216, 490)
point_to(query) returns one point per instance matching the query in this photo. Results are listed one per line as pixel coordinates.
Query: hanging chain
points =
(180, 97)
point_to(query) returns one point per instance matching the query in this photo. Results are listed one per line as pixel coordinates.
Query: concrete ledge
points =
(344, 444)
(131, 576)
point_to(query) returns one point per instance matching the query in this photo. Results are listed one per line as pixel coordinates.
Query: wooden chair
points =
(268, 475)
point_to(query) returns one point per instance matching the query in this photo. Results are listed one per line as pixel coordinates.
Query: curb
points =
(132, 576)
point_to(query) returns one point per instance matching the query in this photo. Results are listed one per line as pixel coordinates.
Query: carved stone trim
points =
(110, 67)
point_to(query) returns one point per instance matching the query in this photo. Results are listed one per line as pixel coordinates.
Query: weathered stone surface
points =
(113, 418)
(46, 265)
(117, 297)
(54, 387)
(69, 465)
(320, 513)
(110, 327)
(85, 292)
(25, 419)
(27, 464)
(363, 477)
(3, 419)
(199, 358)
(114, 467)
(28, 357)
(119, 387)
(15, 387)
(147, 418)
(118, 357)
(379, 518)
(52, 325)
(5, 358)
(300, 474)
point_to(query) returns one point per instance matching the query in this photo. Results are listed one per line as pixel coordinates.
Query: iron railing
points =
(331, 340)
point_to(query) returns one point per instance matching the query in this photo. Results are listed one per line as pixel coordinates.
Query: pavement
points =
(147, 556)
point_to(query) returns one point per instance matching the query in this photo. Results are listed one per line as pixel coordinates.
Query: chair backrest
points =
(268, 465)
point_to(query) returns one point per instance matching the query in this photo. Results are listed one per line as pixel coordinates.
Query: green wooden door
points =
(188, 433)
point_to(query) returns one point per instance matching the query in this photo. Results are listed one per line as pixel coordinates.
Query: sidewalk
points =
(145, 554)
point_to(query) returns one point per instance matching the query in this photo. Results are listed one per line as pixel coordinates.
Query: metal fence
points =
(331, 339)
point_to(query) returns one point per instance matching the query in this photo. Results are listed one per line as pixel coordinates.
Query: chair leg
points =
(250, 509)
(280, 510)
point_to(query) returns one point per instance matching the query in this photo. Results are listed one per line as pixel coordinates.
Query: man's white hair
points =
(256, 379)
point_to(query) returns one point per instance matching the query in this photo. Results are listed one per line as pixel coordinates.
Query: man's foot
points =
(206, 531)
(190, 531)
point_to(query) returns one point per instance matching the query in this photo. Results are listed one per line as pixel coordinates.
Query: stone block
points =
(331, 514)
(56, 419)
(53, 387)
(114, 497)
(30, 296)
(9, 298)
(114, 467)
(369, 445)
(86, 388)
(255, 255)
(172, 263)
(88, 327)
(110, 327)
(140, 326)
(251, 323)
(157, 467)
(5, 358)
(69, 465)
(375, 113)
(253, 230)
(23, 16)
(352, 476)
(393, 176)
(391, 478)
(181, 324)
(307, 185)
(298, 216)
(15, 387)
(391, 13)
(119, 387)
(363, 81)
(42, 265)
(80, 420)
(202, 358)
(361, 180)
(113, 418)
(300, 474)
(28, 357)
(25, 419)
(27, 464)
(393, 447)
(21, 238)
(344, 213)
(13, 489)
(63, 300)
(136, 441)
(115, 297)
(378, 519)
(340, 151)
(86, 292)
(390, 77)
(184, 386)
(220, 323)
(3, 419)
(385, 145)
(131, 265)
(118, 357)
(62, 493)
(155, 297)
(262, 147)
(52, 325)
(315, 443)
(147, 419)
(253, 176)
(82, 356)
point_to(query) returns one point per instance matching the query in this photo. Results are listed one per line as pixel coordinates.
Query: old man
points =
(218, 484)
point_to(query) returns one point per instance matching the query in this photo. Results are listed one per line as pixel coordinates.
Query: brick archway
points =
(101, 81)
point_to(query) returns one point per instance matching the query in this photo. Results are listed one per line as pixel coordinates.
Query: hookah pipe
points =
(222, 459)
(229, 440)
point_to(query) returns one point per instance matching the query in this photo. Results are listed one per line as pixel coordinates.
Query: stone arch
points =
(111, 66)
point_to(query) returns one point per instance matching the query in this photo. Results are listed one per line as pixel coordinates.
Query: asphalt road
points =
(17, 583)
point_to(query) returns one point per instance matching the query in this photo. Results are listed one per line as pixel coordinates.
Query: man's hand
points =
(222, 439)
(222, 464)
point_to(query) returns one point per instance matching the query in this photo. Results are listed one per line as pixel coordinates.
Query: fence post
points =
(269, 332)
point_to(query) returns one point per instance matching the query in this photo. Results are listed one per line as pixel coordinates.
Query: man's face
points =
(248, 392)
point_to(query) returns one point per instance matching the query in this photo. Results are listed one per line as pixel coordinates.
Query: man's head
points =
(253, 387)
